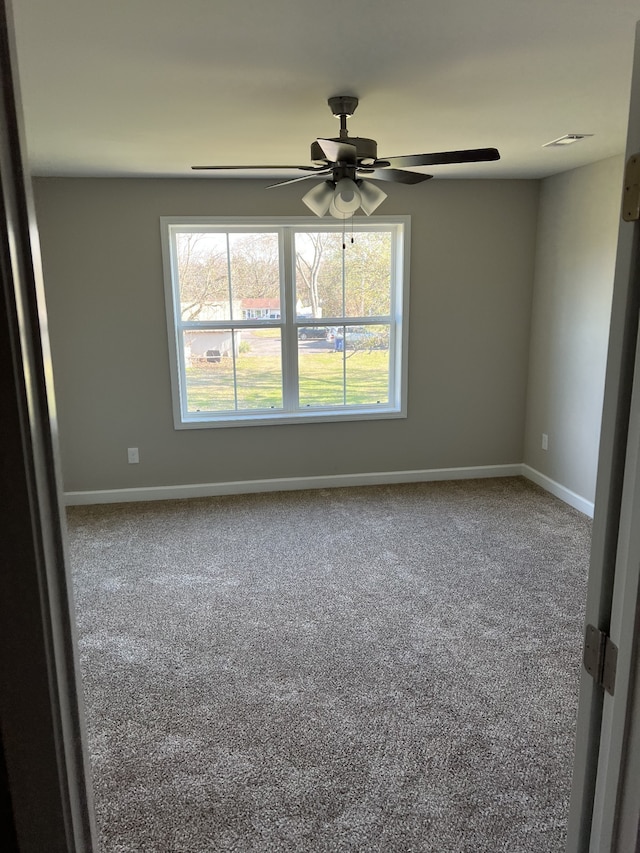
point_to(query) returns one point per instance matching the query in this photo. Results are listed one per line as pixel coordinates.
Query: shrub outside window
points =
(285, 320)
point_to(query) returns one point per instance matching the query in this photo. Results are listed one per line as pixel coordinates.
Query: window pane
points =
(259, 369)
(350, 367)
(255, 276)
(320, 372)
(203, 277)
(318, 274)
(216, 381)
(336, 282)
(208, 359)
(368, 275)
(365, 353)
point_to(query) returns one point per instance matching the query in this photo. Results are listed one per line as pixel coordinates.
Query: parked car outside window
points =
(353, 337)
(312, 332)
(359, 337)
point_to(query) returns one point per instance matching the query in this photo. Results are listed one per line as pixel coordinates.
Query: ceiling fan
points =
(346, 160)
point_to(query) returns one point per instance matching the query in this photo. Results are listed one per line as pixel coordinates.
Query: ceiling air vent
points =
(567, 139)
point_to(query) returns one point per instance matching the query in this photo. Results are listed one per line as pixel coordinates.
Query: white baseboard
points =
(285, 484)
(560, 491)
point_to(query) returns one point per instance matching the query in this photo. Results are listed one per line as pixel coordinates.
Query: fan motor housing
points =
(367, 149)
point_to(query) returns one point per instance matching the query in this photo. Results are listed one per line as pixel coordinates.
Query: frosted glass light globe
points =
(346, 197)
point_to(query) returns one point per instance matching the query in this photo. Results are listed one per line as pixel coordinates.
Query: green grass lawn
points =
(322, 378)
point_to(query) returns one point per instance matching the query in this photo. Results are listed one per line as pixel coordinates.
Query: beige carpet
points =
(368, 669)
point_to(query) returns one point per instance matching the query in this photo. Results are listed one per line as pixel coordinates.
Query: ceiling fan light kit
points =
(338, 214)
(371, 196)
(319, 198)
(345, 160)
(343, 199)
(346, 197)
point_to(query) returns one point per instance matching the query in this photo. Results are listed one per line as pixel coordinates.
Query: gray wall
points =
(573, 285)
(473, 246)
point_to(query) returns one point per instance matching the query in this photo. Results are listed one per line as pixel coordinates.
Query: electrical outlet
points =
(545, 441)
(132, 455)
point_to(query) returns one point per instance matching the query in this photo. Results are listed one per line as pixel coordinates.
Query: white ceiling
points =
(150, 87)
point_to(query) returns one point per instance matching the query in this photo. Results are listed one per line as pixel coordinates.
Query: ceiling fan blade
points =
(224, 168)
(471, 155)
(339, 152)
(397, 175)
(303, 178)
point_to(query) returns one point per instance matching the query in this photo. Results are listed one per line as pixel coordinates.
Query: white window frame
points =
(285, 227)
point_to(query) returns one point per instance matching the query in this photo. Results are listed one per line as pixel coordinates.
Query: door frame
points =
(603, 755)
(617, 790)
(46, 795)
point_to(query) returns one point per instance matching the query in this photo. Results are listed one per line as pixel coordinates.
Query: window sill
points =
(205, 421)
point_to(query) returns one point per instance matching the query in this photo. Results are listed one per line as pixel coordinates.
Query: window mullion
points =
(231, 317)
(399, 314)
(289, 331)
(344, 328)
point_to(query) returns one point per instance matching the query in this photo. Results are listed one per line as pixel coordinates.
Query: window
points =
(285, 320)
